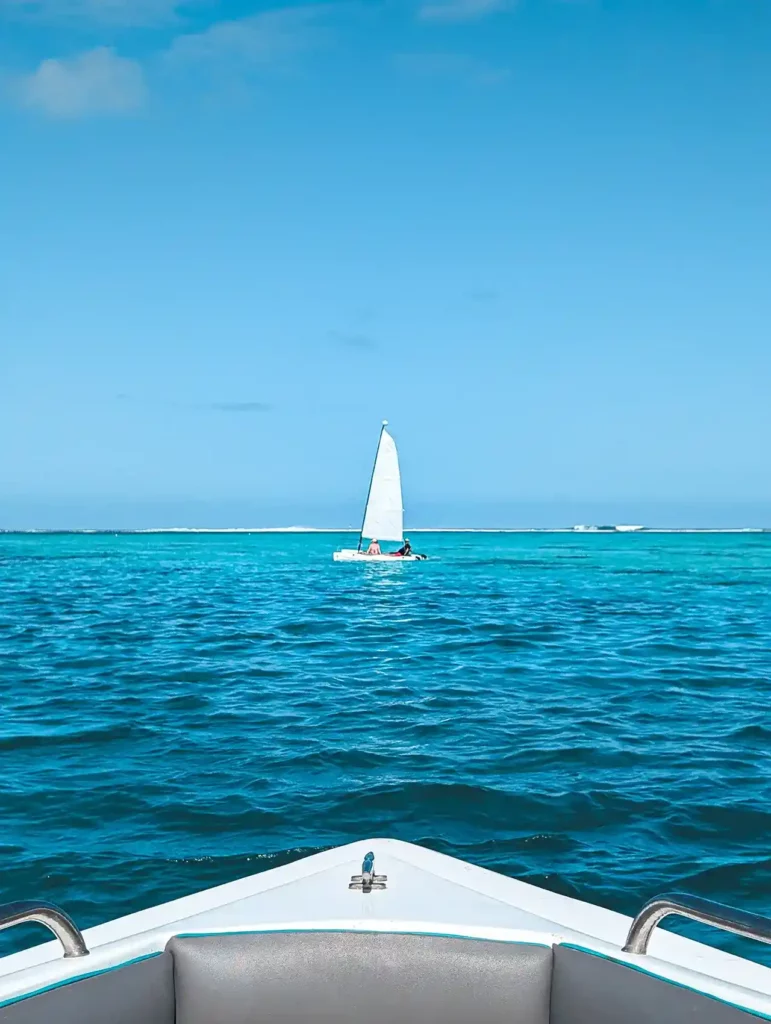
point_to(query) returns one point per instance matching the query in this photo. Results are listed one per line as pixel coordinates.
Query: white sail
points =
(384, 515)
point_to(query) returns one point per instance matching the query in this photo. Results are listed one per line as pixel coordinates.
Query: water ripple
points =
(589, 713)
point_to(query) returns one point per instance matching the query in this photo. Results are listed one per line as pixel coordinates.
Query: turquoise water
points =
(586, 712)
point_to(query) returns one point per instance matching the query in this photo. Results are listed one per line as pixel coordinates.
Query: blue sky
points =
(235, 236)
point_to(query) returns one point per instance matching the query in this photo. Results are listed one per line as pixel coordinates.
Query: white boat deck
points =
(426, 892)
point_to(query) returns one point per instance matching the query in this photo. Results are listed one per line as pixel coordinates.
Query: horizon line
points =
(615, 528)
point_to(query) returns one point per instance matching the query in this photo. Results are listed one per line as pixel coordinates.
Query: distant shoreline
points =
(583, 531)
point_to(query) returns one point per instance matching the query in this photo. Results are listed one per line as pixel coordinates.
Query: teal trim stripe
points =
(355, 931)
(253, 931)
(342, 931)
(80, 977)
(669, 981)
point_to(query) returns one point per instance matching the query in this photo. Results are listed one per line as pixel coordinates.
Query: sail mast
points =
(369, 490)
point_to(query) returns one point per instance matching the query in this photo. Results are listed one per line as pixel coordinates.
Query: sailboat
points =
(383, 512)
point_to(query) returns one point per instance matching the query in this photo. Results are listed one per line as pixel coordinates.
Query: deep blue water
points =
(586, 712)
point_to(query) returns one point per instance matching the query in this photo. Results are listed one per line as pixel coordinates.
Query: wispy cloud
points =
(94, 82)
(111, 12)
(238, 406)
(451, 65)
(460, 10)
(258, 40)
(353, 340)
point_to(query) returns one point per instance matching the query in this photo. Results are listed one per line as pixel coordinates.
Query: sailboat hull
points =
(350, 555)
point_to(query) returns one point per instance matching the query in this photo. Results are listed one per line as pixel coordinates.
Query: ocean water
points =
(586, 712)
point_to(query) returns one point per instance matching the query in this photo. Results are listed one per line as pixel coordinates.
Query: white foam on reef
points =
(416, 529)
(235, 529)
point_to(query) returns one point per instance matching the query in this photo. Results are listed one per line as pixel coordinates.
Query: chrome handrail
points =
(55, 919)
(739, 922)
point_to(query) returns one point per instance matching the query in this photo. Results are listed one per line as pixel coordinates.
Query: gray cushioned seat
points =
(366, 978)
(140, 993)
(325, 977)
(588, 989)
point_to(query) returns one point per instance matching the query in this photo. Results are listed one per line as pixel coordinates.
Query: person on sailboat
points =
(374, 548)
(405, 549)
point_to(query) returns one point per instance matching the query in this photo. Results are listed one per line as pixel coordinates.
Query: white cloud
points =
(260, 39)
(95, 82)
(460, 10)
